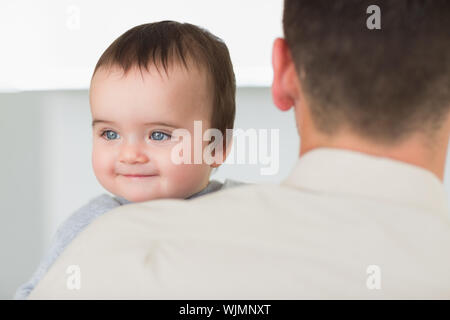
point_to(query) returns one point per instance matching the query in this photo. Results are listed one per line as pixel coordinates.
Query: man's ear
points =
(283, 86)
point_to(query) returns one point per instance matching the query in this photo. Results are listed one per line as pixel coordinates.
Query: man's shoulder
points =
(232, 194)
(239, 235)
(219, 211)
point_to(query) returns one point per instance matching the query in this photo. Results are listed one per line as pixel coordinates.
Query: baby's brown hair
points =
(163, 42)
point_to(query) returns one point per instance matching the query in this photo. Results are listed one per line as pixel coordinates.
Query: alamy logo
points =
(373, 281)
(73, 18)
(74, 280)
(249, 146)
(374, 20)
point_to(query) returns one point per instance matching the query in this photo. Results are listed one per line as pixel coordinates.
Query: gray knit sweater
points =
(79, 220)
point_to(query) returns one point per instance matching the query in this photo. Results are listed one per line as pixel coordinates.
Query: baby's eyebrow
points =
(95, 121)
(160, 123)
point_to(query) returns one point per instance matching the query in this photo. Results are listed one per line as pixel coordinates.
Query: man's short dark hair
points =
(383, 84)
(161, 43)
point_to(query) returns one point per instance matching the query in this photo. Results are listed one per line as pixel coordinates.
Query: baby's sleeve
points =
(66, 232)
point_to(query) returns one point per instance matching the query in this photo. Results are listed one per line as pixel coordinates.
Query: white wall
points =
(67, 37)
(22, 221)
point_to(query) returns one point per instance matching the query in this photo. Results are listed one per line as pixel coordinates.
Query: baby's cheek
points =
(102, 164)
(187, 179)
(181, 174)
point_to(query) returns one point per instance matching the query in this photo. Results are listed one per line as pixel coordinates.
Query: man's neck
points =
(414, 150)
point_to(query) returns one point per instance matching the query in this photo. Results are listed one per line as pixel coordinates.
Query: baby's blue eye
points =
(159, 136)
(110, 135)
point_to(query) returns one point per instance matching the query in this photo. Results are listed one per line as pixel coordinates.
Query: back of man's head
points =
(383, 84)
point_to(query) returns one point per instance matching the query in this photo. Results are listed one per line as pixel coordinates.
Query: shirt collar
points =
(338, 171)
(212, 186)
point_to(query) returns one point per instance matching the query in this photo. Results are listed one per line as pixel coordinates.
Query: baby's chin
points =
(143, 193)
(141, 198)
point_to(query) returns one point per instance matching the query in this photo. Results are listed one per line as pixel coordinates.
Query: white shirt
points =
(343, 225)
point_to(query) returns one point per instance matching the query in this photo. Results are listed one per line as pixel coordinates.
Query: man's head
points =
(382, 86)
(152, 80)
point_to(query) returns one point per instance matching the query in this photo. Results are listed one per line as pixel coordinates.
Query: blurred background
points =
(48, 52)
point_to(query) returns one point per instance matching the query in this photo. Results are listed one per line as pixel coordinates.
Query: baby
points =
(154, 79)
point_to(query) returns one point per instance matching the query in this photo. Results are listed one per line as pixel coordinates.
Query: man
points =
(364, 213)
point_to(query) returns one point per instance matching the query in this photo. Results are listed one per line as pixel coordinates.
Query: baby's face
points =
(134, 116)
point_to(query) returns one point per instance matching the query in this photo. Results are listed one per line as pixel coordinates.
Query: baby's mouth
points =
(138, 176)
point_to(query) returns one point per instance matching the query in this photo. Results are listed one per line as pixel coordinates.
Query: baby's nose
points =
(132, 153)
